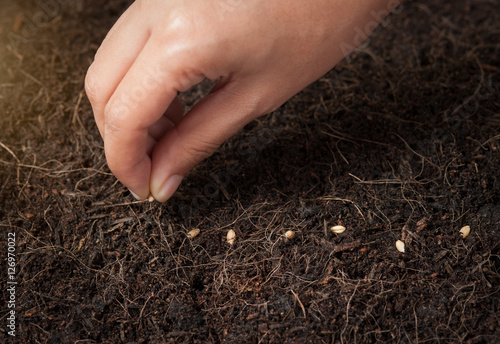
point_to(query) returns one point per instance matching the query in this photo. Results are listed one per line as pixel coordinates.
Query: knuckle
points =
(182, 21)
(92, 84)
(111, 117)
(118, 109)
(183, 31)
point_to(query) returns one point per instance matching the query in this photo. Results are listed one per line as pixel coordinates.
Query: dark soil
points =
(399, 142)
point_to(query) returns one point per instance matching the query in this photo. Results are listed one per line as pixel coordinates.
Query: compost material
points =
(401, 141)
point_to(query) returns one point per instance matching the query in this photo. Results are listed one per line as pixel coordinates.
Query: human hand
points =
(261, 52)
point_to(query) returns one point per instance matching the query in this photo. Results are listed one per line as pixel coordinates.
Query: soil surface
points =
(400, 141)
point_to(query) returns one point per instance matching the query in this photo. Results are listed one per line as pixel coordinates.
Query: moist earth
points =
(400, 141)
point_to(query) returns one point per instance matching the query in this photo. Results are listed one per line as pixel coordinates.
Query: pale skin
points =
(262, 52)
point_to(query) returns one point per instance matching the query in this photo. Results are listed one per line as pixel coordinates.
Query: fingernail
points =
(135, 196)
(169, 187)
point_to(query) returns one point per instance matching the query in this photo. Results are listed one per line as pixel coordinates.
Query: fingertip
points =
(140, 198)
(134, 194)
(166, 190)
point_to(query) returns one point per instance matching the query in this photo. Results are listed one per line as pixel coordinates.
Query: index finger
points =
(139, 101)
(115, 56)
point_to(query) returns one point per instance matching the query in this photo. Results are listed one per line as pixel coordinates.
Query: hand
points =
(261, 52)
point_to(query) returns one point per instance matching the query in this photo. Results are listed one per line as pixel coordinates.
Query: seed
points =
(465, 231)
(193, 233)
(290, 235)
(231, 237)
(400, 246)
(337, 229)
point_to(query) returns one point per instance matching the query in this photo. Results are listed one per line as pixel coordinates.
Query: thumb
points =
(199, 134)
